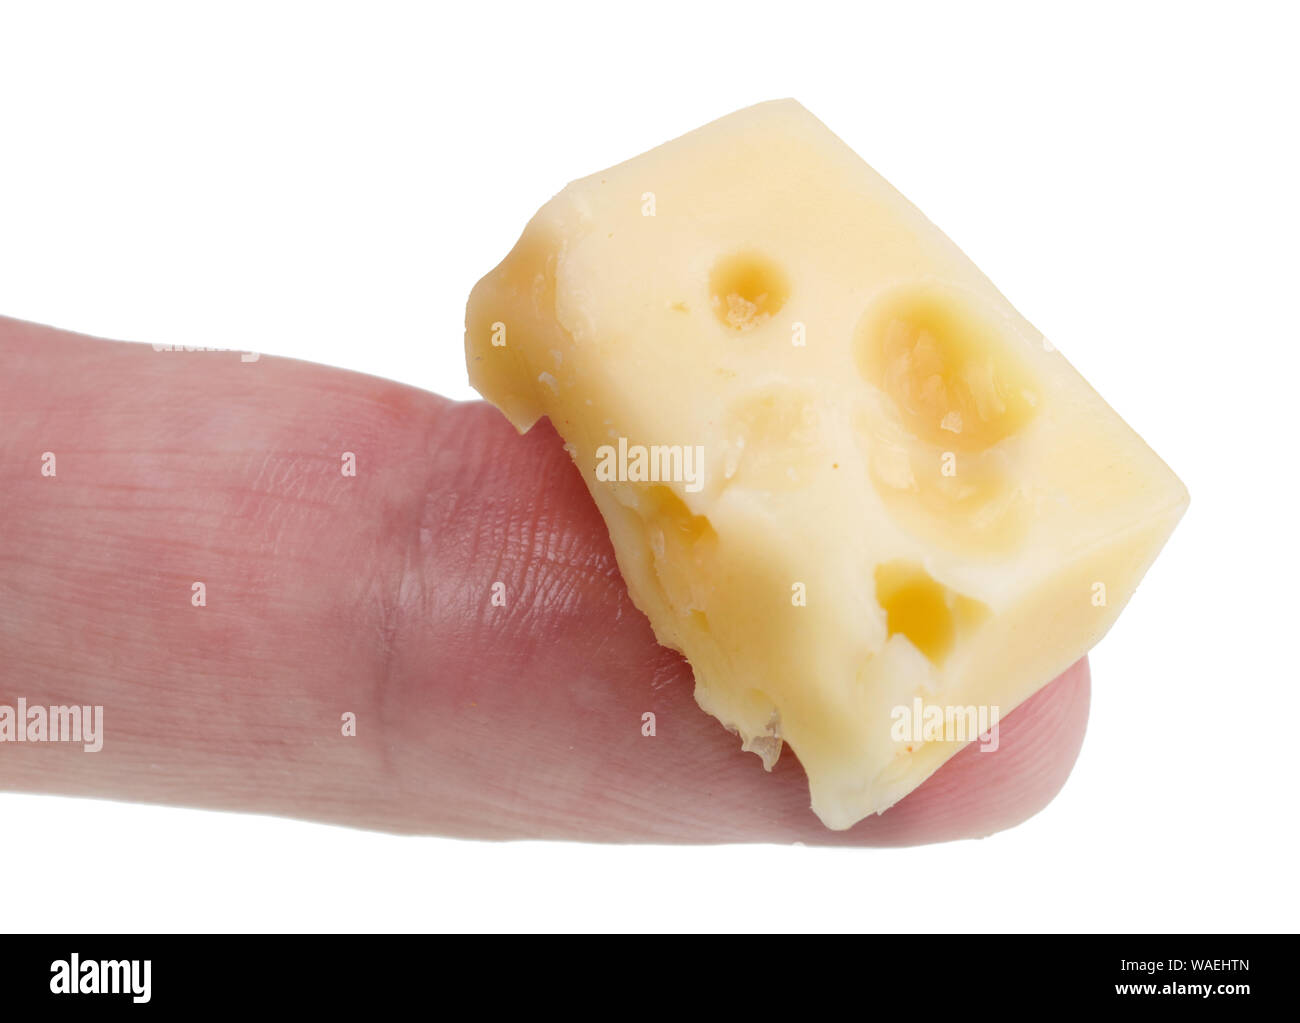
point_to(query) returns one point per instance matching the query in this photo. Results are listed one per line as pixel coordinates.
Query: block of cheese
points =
(841, 474)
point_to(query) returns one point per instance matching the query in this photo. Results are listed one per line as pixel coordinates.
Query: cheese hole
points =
(746, 289)
(950, 373)
(772, 438)
(669, 514)
(971, 503)
(682, 547)
(927, 613)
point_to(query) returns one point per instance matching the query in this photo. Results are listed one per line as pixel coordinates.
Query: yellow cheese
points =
(840, 472)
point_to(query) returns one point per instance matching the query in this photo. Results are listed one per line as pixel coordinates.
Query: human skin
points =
(329, 594)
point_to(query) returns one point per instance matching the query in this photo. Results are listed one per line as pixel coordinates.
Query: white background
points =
(328, 182)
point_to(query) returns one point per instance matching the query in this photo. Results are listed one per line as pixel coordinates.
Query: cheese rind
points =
(902, 491)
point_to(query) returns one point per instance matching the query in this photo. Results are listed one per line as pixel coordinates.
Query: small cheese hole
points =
(669, 513)
(746, 289)
(926, 612)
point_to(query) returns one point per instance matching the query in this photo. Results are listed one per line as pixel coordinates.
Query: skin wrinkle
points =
(533, 551)
(372, 594)
(409, 596)
(456, 518)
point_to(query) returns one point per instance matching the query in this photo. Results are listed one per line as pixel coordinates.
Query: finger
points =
(327, 594)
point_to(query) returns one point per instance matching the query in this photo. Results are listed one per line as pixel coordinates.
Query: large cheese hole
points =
(746, 289)
(951, 374)
(972, 502)
(930, 615)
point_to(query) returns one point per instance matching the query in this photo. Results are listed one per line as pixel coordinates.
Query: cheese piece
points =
(841, 474)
